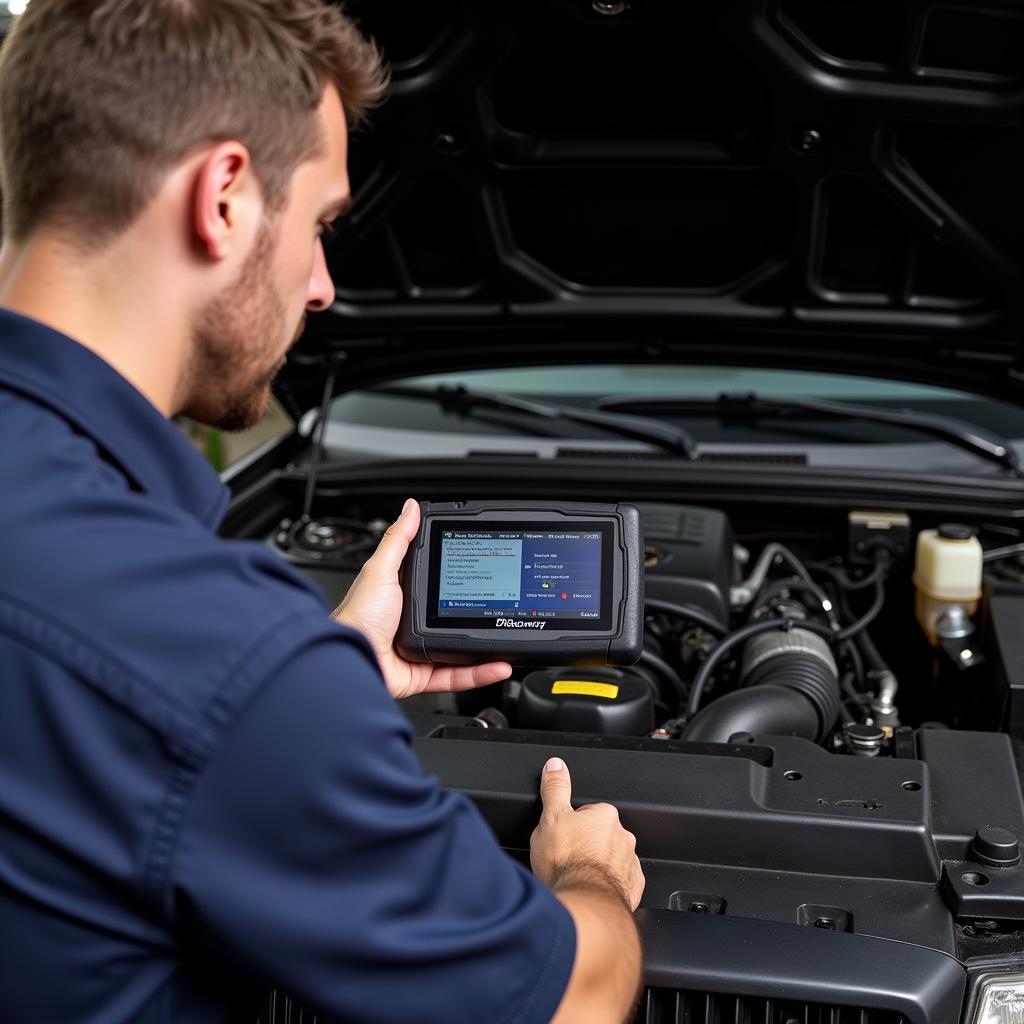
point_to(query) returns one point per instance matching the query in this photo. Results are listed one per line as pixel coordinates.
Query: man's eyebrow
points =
(337, 209)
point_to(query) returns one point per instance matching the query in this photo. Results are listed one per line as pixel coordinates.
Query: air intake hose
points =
(789, 687)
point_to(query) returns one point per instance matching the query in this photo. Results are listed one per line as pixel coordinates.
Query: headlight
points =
(1001, 1000)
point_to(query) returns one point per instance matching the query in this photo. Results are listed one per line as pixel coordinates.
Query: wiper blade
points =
(963, 435)
(637, 428)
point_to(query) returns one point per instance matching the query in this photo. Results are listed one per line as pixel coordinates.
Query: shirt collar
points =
(58, 372)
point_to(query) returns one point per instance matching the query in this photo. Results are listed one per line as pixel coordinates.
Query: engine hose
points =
(869, 616)
(789, 585)
(874, 661)
(740, 636)
(768, 710)
(809, 675)
(853, 654)
(790, 686)
(861, 651)
(659, 667)
(686, 612)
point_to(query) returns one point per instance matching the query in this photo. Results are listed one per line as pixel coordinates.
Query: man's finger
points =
(445, 679)
(556, 786)
(491, 672)
(396, 540)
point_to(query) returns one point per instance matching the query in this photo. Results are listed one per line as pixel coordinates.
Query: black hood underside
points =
(795, 183)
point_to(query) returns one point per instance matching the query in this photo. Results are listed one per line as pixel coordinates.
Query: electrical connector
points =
(872, 533)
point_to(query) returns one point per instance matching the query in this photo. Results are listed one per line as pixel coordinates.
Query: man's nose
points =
(321, 287)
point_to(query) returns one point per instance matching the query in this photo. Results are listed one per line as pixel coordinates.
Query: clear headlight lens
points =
(1001, 1000)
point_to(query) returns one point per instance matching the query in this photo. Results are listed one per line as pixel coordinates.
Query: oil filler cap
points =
(996, 846)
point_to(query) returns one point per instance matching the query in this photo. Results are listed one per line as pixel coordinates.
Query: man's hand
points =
(590, 862)
(588, 846)
(373, 605)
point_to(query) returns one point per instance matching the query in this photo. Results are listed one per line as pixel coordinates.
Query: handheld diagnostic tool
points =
(529, 583)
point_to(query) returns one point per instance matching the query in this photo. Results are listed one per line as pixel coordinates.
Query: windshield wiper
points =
(636, 428)
(963, 435)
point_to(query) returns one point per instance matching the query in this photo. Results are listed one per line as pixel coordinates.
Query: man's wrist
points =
(588, 875)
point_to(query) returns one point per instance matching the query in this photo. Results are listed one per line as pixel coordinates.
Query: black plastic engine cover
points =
(689, 556)
(810, 838)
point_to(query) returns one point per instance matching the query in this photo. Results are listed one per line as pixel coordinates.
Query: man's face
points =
(241, 337)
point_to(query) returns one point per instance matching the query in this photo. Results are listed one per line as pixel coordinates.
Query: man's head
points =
(230, 113)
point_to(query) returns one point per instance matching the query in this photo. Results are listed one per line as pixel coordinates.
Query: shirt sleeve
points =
(317, 854)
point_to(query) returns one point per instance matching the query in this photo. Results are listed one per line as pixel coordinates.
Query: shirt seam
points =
(115, 668)
(225, 717)
(80, 417)
(68, 411)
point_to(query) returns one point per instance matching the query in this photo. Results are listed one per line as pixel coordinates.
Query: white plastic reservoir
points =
(947, 576)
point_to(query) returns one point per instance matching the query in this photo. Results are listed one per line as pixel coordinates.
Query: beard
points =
(236, 345)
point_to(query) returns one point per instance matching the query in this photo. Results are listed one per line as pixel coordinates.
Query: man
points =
(205, 788)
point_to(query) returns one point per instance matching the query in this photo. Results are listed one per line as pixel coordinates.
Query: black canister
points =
(606, 701)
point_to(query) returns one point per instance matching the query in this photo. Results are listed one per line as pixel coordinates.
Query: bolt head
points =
(448, 143)
(808, 140)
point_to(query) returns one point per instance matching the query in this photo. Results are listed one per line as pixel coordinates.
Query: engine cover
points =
(688, 556)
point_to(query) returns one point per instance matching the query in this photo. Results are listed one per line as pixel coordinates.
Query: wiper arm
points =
(637, 428)
(963, 435)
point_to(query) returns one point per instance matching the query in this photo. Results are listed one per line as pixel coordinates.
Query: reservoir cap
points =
(955, 531)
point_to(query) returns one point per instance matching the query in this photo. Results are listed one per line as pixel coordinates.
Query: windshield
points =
(384, 422)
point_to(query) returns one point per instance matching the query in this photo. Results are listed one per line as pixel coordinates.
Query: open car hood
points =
(814, 184)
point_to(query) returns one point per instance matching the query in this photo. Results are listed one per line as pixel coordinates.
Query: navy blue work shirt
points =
(205, 788)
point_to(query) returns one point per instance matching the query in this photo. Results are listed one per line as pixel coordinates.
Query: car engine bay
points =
(811, 737)
(710, 590)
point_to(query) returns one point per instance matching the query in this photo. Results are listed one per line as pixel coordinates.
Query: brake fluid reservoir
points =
(947, 577)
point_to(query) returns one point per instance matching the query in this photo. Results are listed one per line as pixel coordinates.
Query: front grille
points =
(670, 1006)
(282, 1009)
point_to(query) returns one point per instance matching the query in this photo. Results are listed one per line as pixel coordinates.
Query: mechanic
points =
(206, 787)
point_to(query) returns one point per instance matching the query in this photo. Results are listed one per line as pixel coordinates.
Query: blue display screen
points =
(520, 574)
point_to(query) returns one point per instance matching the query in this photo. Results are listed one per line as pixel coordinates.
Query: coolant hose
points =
(790, 687)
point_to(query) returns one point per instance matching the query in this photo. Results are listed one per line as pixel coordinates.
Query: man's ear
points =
(225, 197)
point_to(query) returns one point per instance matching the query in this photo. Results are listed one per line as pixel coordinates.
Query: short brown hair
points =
(99, 99)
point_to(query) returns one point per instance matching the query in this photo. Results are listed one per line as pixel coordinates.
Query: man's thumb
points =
(555, 785)
(396, 540)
